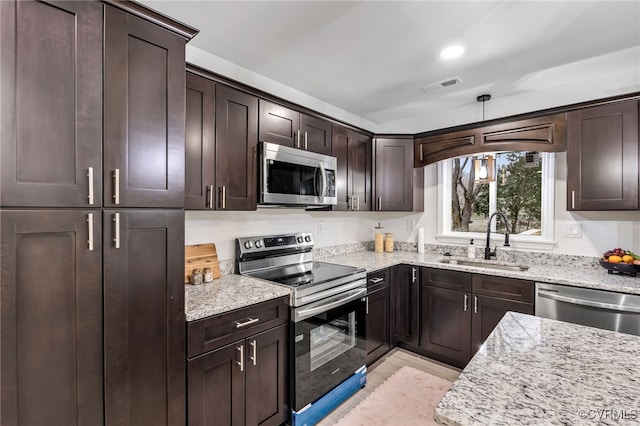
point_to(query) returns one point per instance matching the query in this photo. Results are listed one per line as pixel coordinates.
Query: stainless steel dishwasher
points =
(596, 308)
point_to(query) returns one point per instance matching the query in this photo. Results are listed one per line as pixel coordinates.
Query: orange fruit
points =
(627, 259)
(614, 259)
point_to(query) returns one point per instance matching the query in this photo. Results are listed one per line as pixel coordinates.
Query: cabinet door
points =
(340, 149)
(217, 387)
(199, 143)
(279, 125)
(236, 149)
(487, 313)
(360, 155)
(446, 324)
(144, 113)
(378, 339)
(51, 102)
(51, 318)
(394, 175)
(266, 358)
(407, 304)
(144, 320)
(602, 158)
(315, 134)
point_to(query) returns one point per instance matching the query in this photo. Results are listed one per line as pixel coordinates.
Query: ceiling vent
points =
(442, 84)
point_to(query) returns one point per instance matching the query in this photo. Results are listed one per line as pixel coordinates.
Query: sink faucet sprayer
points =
(487, 250)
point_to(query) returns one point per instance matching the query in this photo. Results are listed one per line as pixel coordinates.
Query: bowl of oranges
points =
(621, 261)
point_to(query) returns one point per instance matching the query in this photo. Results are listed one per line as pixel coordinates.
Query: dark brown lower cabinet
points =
(378, 315)
(243, 383)
(487, 313)
(144, 320)
(51, 318)
(460, 310)
(406, 300)
(446, 324)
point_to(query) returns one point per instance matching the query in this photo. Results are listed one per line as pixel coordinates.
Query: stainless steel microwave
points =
(295, 177)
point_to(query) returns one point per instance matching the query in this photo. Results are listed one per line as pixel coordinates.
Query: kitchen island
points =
(533, 371)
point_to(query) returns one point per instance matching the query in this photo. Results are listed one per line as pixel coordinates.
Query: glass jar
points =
(388, 242)
(378, 245)
(207, 275)
(196, 276)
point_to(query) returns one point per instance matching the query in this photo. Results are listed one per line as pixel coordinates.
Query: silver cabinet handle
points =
(116, 186)
(223, 197)
(475, 304)
(298, 136)
(573, 199)
(414, 275)
(350, 202)
(466, 302)
(367, 301)
(357, 202)
(246, 323)
(241, 356)
(90, 177)
(376, 280)
(254, 350)
(379, 203)
(90, 224)
(305, 140)
(209, 196)
(116, 221)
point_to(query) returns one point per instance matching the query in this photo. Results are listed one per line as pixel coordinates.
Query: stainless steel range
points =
(328, 311)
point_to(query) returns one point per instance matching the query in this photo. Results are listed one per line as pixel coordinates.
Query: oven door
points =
(295, 177)
(329, 344)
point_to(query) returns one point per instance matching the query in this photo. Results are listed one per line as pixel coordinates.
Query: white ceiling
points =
(370, 58)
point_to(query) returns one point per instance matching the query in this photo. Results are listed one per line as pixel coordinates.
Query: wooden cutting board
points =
(200, 256)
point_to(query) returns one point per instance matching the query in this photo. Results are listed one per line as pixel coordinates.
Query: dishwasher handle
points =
(592, 303)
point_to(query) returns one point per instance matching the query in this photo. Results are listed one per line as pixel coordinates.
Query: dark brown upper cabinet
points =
(199, 187)
(602, 157)
(543, 134)
(144, 320)
(236, 156)
(51, 318)
(144, 113)
(353, 177)
(394, 175)
(285, 126)
(51, 102)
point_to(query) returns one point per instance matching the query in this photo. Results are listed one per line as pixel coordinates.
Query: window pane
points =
(517, 193)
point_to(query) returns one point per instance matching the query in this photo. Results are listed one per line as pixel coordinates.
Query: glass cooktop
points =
(310, 273)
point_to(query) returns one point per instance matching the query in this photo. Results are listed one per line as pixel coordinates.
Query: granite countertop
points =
(227, 293)
(533, 371)
(574, 275)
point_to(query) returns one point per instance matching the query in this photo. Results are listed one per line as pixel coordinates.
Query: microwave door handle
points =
(323, 173)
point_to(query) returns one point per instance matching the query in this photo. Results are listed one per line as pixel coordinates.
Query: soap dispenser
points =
(471, 250)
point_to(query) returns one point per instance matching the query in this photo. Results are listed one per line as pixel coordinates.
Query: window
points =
(523, 190)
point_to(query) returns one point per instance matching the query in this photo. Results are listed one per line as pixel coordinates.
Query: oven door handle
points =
(333, 302)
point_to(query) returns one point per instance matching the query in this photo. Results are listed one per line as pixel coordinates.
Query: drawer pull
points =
(247, 322)
(376, 280)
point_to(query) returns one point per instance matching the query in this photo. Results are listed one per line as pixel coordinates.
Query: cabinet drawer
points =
(213, 332)
(505, 288)
(377, 280)
(453, 280)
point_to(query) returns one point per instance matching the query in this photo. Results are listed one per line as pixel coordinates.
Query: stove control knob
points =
(248, 244)
(308, 238)
(300, 239)
(258, 243)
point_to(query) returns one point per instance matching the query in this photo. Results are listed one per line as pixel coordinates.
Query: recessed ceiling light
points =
(452, 52)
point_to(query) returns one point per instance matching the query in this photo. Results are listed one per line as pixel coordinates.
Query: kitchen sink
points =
(487, 264)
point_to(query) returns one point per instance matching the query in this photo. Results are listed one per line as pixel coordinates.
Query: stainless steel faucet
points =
(487, 250)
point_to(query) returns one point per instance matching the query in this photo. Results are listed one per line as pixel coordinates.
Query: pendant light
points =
(484, 166)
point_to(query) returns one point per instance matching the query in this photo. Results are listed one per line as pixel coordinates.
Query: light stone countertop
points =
(235, 291)
(573, 275)
(227, 293)
(537, 371)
